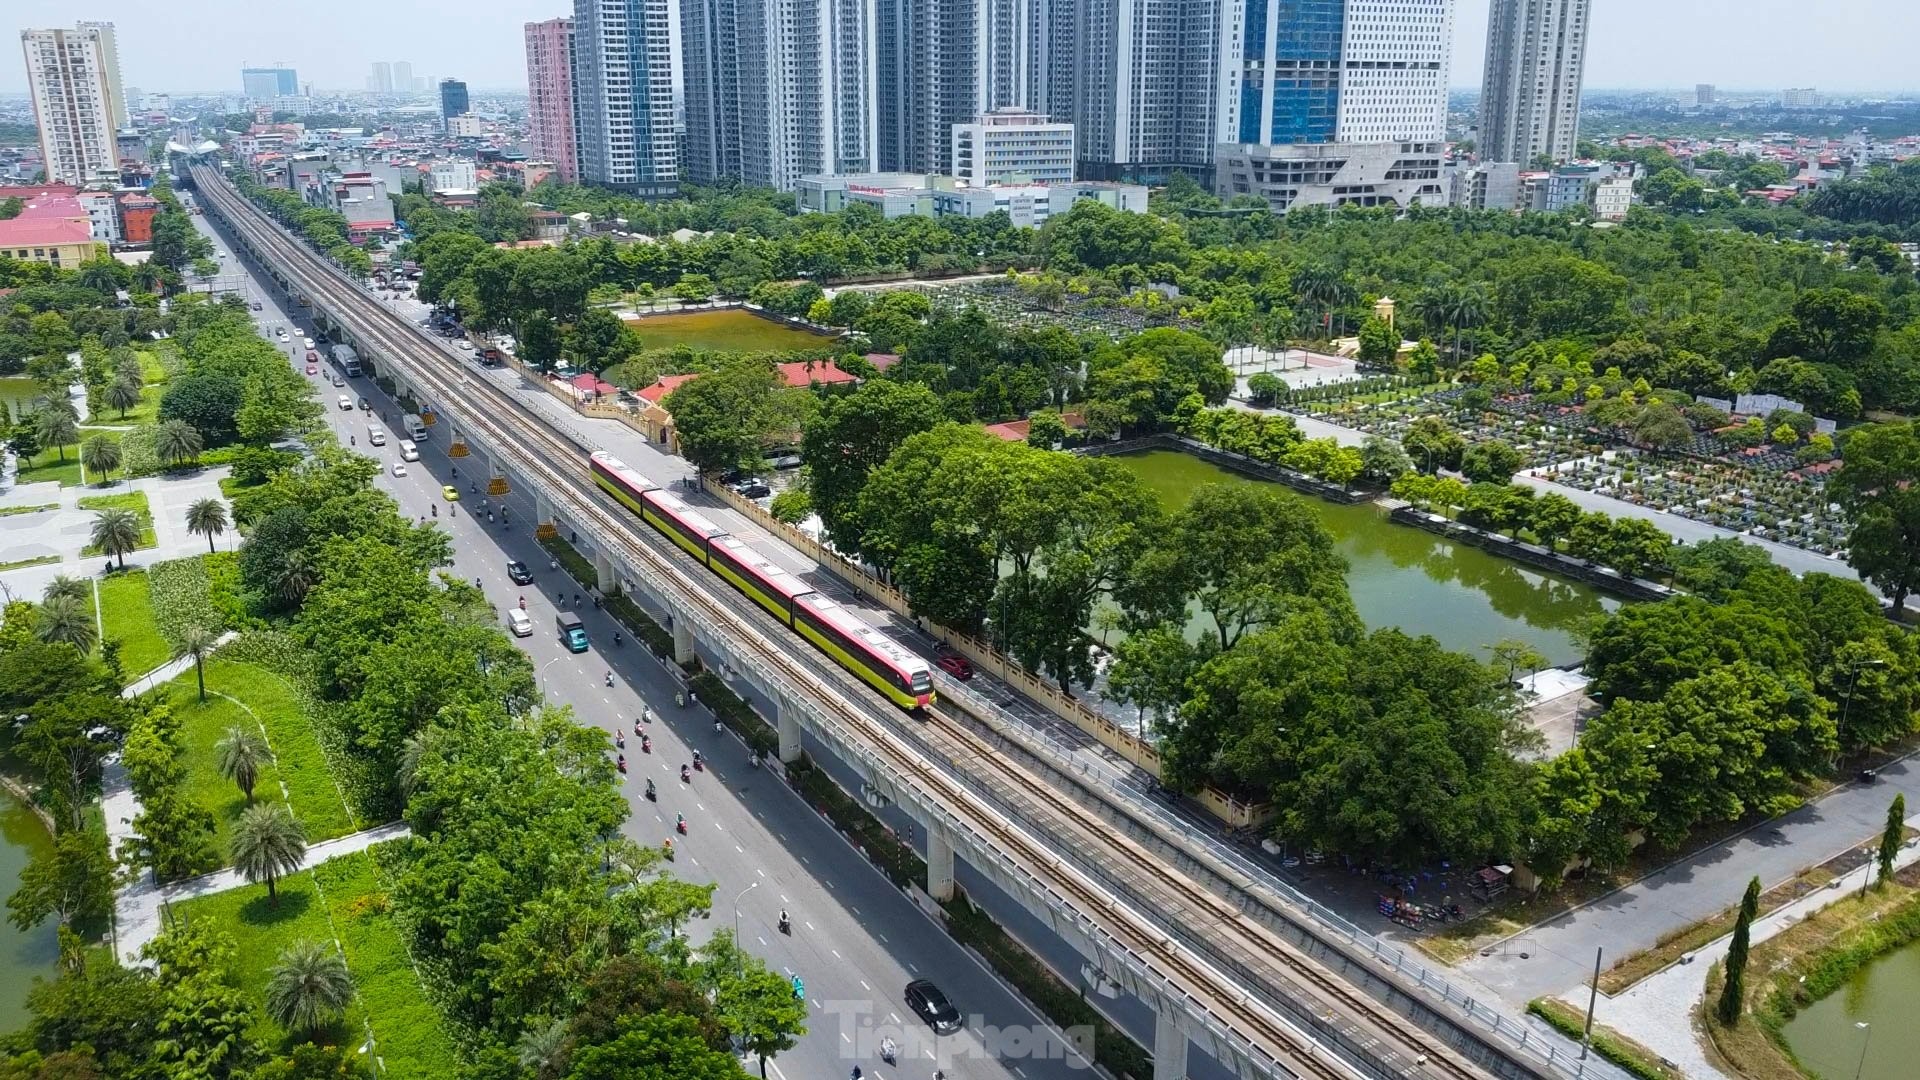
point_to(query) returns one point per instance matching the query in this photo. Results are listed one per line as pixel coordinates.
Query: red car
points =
(312, 357)
(956, 665)
(313, 369)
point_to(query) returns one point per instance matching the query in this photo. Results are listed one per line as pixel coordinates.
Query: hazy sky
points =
(1831, 44)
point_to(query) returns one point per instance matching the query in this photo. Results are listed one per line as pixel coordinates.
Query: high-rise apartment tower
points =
(777, 89)
(1530, 98)
(550, 95)
(624, 131)
(74, 79)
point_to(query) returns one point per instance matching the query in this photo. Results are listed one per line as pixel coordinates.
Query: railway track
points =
(1375, 1041)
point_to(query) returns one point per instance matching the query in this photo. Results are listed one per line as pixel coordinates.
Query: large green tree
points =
(853, 435)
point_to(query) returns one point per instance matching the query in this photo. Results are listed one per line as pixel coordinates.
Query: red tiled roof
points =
(1012, 430)
(36, 190)
(801, 373)
(881, 361)
(49, 219)
(592, 383)
(667, 384)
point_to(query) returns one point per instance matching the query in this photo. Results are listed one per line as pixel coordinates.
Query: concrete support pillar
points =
(1169, 1046)
(604, 578)
(682, 641)
(545, 528)
(458, 447)
(939, 865)
(496, 480)
(786, 721)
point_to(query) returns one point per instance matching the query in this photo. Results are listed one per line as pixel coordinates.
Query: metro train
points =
(889, 667)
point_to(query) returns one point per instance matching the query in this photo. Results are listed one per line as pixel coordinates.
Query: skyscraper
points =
(1530, 99)
(938, 63)
(402, 77)
(1324, 102)
(624, 131)
(382, 80)
(453, 98)
(110, 52)
(76, 98)
(550, 94)
(267, 84)
(1144, 102)
(775, 90)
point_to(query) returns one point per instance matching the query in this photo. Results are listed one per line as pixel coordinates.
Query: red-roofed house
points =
(804, 373)
(51, 228)
(588, 383)
(881, 361)
(654, 417)
(1016, 430)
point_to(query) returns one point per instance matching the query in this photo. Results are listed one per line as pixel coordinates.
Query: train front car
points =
(885, 664)
(619, 480)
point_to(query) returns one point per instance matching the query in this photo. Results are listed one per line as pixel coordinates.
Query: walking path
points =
(168, 671)
(140, 908)
(1658, 1011)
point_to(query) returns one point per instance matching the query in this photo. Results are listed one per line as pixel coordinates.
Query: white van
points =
(376, 437)
(416, 429)
(519, 623)
(408, 451)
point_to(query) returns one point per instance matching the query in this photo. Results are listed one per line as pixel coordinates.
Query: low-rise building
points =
(1490, 185)
(136, 218)
(1013, 146)
(453, 174)
(52, 229)
(1612, 198)
(466, 126)
(360, 197)
(103, 215)
(1331, 173)
(934, 195)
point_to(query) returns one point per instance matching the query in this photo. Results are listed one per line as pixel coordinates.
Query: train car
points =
(618, 480)
(765, 582)
(888, 666)
(679, 522)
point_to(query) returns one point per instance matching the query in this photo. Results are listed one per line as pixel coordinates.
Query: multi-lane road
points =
(856, 939)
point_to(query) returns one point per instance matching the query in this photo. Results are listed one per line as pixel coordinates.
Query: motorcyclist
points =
(649, 787)
(680, 822)
(696, 759)
(786, 924)
(686, 773)
(616, 637)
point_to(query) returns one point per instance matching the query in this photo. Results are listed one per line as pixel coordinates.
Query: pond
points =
(1825, 1035)
(1401, 576)
(23, 956)
(16, 395)
(725, 329)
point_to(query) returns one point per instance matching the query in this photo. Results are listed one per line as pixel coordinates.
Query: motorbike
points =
(667, 848)
(698, 765)
(680, 824)
(620, 739)
(622, 763)
(786, 924)
(650, 794)
(686, 774)
(646, 744)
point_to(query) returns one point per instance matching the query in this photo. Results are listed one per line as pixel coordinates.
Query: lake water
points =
(16, 394)
(1881, 995)
(22, 956)
(1409, 578)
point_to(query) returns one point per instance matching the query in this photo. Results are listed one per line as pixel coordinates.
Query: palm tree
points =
(1315, 284)
(100, 454)
(309, 988)
(98, 275)
(177, 442)
(56, 427)
(63, 618)
(147, 277)
(242, 753)
(292, 577)
(81, 591)
(542, 1048)
(267, 844)
(209, 518)
(197, 642)
(116, 532)
(1466, 306)
(124, 394)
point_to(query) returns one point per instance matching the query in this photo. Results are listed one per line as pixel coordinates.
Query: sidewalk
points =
(1658, 1011)
(140, 908)
(171, 669)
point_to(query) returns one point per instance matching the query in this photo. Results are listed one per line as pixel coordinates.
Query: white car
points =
(519, 622)
(346, 403)
(399, 468)
(466, 346)
(306, 343)
(281, 333)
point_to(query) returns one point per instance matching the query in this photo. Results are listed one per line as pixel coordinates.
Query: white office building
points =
(777, 89)
(453, 174)
(1334, 102)
(1530, 98)
(74, 79)
(626, 132)
(103, 214)
(1013, 146)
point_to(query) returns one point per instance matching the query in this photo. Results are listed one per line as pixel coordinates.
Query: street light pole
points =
(736, 916)
(542, 674)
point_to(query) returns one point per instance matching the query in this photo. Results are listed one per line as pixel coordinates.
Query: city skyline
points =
(332, 51)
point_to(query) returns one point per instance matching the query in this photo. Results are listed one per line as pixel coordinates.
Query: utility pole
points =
(1593, 998)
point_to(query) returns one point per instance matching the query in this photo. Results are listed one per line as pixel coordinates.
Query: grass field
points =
(146, 412)
(135, 501)
(47, 466)
(340, 900)
(37, 508)
(37, 560)
(728, 330)
(126, 616)
(245, 695)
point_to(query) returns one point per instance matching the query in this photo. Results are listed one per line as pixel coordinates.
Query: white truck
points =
(416, 431)
(348, 360)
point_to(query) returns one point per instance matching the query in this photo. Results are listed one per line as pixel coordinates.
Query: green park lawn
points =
(727, 330)
(135, 501)
(339, 899)
(47, 466)
(241, 694)
(126, 616)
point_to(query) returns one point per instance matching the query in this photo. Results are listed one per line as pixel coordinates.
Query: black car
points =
(928, 1003)
(518, 573)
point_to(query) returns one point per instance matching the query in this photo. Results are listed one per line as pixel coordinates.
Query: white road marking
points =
(759, 871)
(743, 851)
(864, 986)
(809, 926)
(894, 1016)
(836, 953)
(761, 940)
(881, 936)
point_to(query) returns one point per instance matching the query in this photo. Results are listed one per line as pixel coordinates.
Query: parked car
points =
(931, 1005)
(956, 665)
(518, 573)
